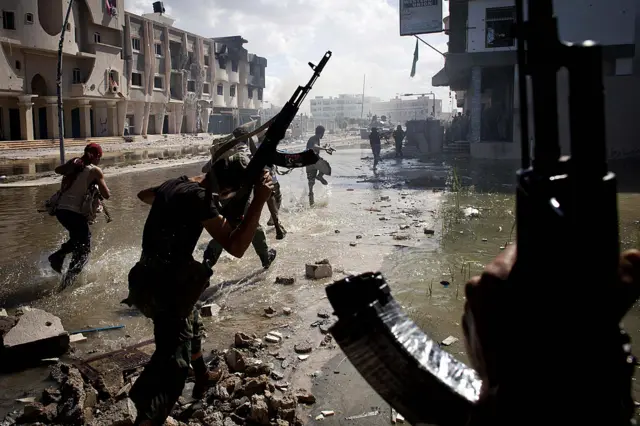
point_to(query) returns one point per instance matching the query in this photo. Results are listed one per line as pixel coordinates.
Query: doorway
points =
(75, 123)
(165, 125)
(14, 124)
(42, 121)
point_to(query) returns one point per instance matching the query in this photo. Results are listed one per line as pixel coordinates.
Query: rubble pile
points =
(249, 392)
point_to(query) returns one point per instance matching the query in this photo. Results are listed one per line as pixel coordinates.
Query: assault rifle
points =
(267, 154)
(563, 358)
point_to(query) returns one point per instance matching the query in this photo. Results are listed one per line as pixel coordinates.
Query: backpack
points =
(51, 205)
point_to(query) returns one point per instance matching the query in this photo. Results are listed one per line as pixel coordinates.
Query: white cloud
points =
(363, 36)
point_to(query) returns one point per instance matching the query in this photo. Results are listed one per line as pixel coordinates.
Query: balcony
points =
(78, 90)
(256, 81)
(221, 74)
(234, 77)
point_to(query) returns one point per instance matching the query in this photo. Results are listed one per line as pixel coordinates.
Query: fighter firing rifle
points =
(564, 206)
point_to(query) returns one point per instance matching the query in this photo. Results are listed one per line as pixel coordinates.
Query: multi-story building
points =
(330, 110)
(481, 66)
(93, 69)
(399, 110)
(123, 74)
(180, 82)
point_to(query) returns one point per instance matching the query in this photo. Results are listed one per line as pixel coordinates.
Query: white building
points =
(402, 110)
(481, 66)
(330, 110)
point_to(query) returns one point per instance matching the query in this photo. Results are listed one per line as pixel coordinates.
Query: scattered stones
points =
(243, 340)
(327, 340)
(304, 397)
(382, 218)
(324, 314)
(75, 338)
(259, 410)
(270, 338)
(276, 375)
(324, 328)
(36, 412)
(401, 237)
(337, 231)
(303, 347)
(256, 385)
(428, 231)
(327, 413)
(270, 312)
(404, 227)
(502, 247)
(285, 280)
(210, 310)
(358, 237)
(319, 270)
(235, 360)
(353, 244)
(484, 240)
(3, 312)
(303, 357)
(385, 198)
(287, 311)
(471, 212)
(449, 341)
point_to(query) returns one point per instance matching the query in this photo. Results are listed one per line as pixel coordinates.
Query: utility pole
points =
(59, 82)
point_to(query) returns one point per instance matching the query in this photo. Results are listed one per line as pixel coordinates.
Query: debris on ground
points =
(303, 357)
(31, 335)
(428, 231)
(270, 312)
(327, 413)
(75, 338)
(210, 310)
(287, 311)
(324, 314)
(319, 270)
(385, 198)
(3, 312)
(449, 341)
(404, 227)
(303, 347)
(285, 280)
(358, 237)
(364, 415)
(337, 231)
(353, 244)
(471, 212)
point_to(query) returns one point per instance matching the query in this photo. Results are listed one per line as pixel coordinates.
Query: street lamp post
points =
(59, 82)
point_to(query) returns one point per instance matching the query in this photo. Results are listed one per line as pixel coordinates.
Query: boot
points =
(271, 256)
(270, 222)
(322, 180)
(204, 382)
(280, 232)
(56, 260)
(311, 198)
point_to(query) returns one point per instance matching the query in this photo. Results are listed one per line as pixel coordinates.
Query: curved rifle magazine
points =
(407, 368)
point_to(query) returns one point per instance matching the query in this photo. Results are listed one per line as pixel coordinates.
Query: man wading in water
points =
(312, 171)
(167, 282)
(73, 209)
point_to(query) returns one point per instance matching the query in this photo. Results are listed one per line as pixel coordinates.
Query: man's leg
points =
(56, 259)
(276, 202)
(80, 240)
(161, 383)
(311, 179)
(212, 253)
(259, 242)
(204, 377)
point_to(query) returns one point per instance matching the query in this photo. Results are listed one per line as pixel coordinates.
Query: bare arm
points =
(102, 185)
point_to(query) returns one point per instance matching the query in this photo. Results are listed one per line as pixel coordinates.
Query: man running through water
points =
(79, 175)
(312, 171)
(167, 282)
(228, 170)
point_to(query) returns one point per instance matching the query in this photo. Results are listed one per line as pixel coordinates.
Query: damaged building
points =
(481, 67)
(123, 74)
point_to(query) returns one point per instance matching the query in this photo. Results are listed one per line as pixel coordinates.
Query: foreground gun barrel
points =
(406, 367)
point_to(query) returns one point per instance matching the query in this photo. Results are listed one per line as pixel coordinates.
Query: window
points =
(158, 82)
(259, 94)
(96, 37)
(232, 91)
(136, 79)
(499, 24)
(18, 65)
(8, 20)
(206, 89)
(220, 90)
(234, 66)
(191, 86)
(28, 18)
(206, 60)
(159, 51)
(135, 44)
(252, 69)
(77, 77)
(250, 92)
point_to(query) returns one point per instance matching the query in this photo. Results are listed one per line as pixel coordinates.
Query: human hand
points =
(263, 187)
(483, 319)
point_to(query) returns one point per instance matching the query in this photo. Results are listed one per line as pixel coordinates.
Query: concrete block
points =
(318, 271)
(36, 334)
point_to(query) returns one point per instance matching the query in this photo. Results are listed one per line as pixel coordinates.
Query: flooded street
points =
(361, 222)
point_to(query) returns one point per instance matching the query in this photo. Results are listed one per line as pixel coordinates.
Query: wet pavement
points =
(361, 221)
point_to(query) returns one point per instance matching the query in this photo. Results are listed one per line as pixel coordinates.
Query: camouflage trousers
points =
(167, 295)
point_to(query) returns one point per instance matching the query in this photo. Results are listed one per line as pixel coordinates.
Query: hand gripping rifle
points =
(564, 206)
(267, 154)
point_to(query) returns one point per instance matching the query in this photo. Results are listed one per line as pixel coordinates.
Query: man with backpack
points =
(75, 207)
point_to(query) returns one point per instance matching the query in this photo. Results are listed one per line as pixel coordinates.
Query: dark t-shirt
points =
(314, 143)
(174, 224)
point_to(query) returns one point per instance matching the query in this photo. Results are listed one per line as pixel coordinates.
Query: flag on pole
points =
(415, 60)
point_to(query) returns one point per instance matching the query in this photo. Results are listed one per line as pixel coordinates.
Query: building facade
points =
(123, 74)
(481, 67)
(330, 111)
(93, 69)
(399, 110)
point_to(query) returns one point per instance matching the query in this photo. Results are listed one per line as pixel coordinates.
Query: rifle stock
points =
(564, 207)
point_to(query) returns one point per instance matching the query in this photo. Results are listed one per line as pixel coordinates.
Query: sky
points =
(363, 36)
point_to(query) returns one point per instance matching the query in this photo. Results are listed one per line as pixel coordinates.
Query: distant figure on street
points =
(374, 140)
(75, 207)
(398, 136)
(312, 171)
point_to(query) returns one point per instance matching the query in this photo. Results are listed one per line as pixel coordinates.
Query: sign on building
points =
(420, 17)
